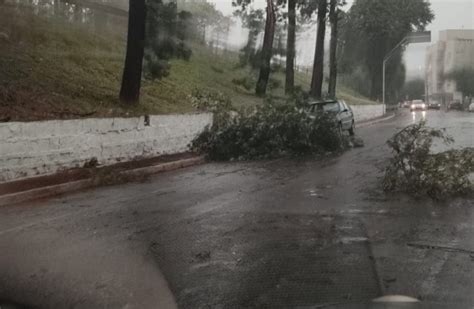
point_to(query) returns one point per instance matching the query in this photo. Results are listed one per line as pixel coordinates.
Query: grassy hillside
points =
(51, 68)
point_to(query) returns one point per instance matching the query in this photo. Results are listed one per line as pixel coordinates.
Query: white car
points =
(471, 108)
(418, 105)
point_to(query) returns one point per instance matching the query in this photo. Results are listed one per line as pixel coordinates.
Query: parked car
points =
(434, 105)
(342, 111)
(455, 105)
(417, 105)
(471, 107)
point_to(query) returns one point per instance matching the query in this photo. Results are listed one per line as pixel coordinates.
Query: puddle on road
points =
(349, 240)
(345, 227)
(327, 218)
(314, 193)
(364, 211)
(352, 211)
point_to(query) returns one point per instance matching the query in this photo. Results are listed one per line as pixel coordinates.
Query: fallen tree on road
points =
(414, 169)
(276, 128)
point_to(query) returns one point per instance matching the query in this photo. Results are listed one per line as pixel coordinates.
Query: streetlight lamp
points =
(411, 38)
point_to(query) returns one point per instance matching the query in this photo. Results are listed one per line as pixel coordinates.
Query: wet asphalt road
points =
(284, 233)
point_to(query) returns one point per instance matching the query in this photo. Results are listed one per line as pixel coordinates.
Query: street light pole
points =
(383, 87)
(385, 60)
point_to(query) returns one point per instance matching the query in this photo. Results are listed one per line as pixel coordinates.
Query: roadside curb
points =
(69, 187)
(375, 121)
(164, 167)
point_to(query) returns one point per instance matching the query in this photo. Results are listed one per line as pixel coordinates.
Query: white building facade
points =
(454, 50)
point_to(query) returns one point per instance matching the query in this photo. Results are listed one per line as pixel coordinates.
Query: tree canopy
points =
(371, 29)
(464, 79)
(414, 89)
(166, 32)
(205, 15)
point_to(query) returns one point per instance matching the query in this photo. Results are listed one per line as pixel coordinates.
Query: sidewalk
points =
(370, 122)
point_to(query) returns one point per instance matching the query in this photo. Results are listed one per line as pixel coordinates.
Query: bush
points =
(248, 83)
(267, 131)
(278, 68)
(210, 100)
(217, 70)
(415, 170)
(274, 83)
(300, 97)
(206, 100)
(155, 67)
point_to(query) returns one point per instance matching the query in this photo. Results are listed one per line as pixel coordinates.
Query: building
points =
(454, 50)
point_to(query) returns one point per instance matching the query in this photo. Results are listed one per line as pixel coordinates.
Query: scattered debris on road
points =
(203, 256)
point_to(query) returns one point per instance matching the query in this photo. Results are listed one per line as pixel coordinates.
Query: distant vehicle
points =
(417, 105)
(471, 107)
(434, 105)
(455, 105)
(342, 111)
(406, 104)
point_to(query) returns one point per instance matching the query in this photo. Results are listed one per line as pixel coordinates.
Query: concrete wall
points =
(367, 112)
(39, 148)
(30, 149)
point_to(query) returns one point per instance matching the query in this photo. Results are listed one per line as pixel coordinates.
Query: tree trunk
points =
(318, 67)
(250, 46)
(57, 6)
(333, 17)
(78, 13)
(226, 39)
(132, 73)
(290, 48)
(267, 50)
(203, 38)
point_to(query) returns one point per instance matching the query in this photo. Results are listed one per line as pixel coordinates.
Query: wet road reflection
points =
(267, 234)
(418, 116)
(459, 125)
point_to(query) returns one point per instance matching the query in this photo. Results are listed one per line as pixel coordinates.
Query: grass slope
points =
(51, 68)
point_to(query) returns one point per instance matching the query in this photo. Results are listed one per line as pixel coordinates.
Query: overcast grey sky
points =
(449, 14)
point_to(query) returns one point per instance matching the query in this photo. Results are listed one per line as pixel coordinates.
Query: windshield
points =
(236, 153)
(326, 107)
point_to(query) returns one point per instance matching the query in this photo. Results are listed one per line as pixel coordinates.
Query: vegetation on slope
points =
(52, 68)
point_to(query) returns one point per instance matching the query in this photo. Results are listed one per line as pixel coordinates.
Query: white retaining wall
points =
(367, 112)
(39, 148)
(30, 149)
